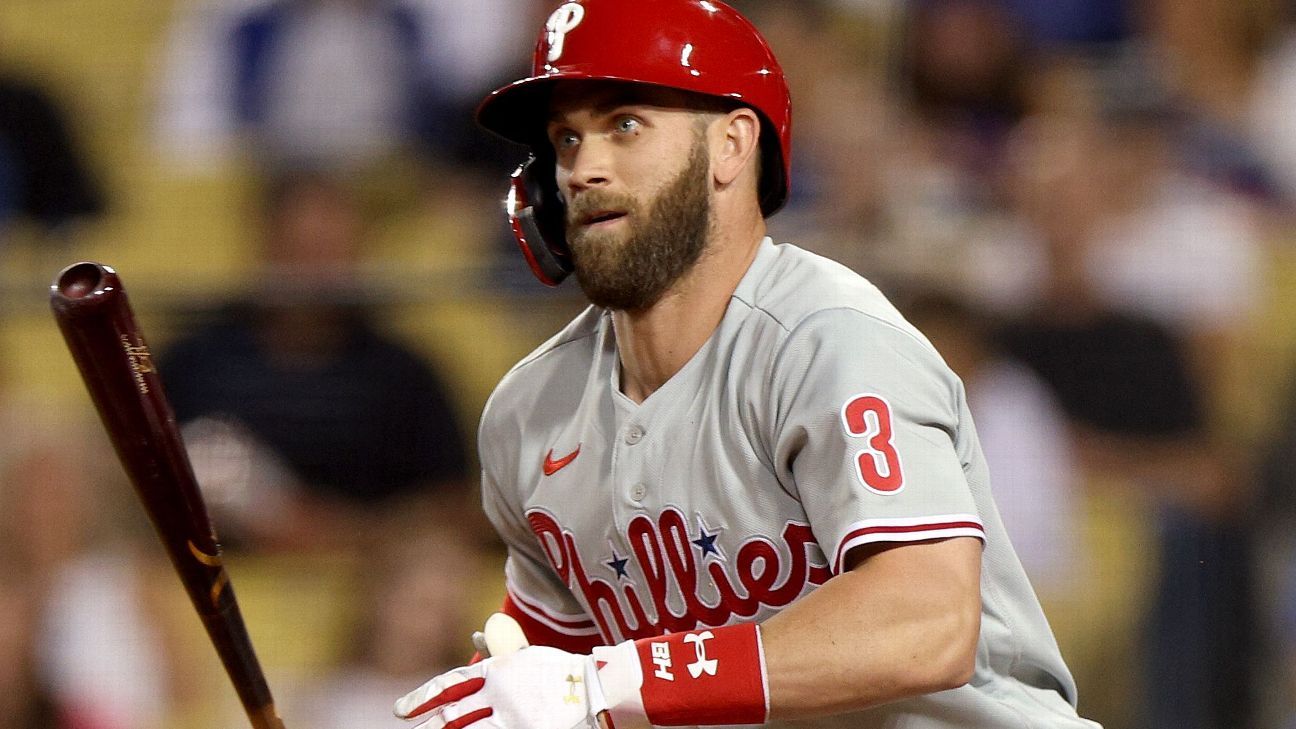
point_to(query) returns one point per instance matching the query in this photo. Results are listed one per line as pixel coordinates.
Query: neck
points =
(657, 342)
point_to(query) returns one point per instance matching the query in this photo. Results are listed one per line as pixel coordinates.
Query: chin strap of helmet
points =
(538, 218)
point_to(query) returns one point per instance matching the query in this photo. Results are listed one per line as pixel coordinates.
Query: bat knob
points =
(79, 280)
(503, 635)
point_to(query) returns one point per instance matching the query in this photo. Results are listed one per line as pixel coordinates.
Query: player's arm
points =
(865, 430)
(867, 433)
(898, 620)
(902, 621)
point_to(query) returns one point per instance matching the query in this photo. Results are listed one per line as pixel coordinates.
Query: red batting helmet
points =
(702, 46)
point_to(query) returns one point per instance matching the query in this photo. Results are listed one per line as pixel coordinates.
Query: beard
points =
(661, 246)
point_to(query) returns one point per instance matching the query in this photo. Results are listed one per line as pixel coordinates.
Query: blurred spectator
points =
(43, 174)
(1086, 26)
(1277, 516)
(844, 136)
(1273, 97)
(900, 157)
(1139, 408)
(1286, 678)
(24, 701)
(1075, 25)
(1058, 192)
(1278, 469)
(1026, 439)
(45, 484)
(1207, 49)
(104, 643)
(962, 63)
(842, 210)
(1175, 247)
(964, 67)
(304, 421)
(416, 621)
(1099, 167)
(99, 652)
(343, 84)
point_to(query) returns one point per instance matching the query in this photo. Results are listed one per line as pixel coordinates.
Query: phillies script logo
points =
(563, 21)
(667, 556)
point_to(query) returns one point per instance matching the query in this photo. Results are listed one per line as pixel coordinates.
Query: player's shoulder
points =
(578, 335)
(552, 368)
(801, 292)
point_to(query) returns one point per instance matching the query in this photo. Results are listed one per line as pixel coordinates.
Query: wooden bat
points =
(95, 317)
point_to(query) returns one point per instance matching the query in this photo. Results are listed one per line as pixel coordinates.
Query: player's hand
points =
(535, 688)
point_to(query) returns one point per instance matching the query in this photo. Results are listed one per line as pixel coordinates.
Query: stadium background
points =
(437, 274)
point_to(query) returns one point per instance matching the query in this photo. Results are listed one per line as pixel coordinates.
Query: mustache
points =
(595, 201)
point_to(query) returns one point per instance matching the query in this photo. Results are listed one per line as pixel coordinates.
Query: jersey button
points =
(634, 435)
(638, 491)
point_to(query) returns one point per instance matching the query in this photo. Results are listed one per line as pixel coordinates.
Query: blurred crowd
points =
(1088, 205)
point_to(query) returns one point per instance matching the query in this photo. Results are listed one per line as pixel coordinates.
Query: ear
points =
(735, 143)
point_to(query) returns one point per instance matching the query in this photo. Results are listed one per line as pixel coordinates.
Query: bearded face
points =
(630, 264)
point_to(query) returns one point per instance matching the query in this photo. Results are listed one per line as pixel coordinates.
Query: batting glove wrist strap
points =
(708, 677)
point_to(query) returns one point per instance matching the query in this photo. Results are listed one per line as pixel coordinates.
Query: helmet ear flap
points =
(537, 216)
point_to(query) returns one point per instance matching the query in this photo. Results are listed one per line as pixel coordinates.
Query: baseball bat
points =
(99, 327)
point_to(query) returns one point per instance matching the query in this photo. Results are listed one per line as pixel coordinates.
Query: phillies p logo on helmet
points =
(563, 21)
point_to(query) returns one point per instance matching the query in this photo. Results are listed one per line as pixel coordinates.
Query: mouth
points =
(601, 218)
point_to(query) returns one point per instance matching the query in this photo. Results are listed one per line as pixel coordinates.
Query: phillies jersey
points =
(814, 419)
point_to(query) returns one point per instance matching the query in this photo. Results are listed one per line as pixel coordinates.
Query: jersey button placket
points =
(633, 435)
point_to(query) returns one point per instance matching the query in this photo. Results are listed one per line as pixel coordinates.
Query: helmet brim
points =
(519, 112)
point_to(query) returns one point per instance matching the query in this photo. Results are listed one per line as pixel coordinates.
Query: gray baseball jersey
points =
(815, 419)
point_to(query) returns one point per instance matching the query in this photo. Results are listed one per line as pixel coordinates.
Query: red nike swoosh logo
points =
(551, 466)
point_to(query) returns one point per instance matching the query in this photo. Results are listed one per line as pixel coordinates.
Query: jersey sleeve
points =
(867, 433)
(534, 596)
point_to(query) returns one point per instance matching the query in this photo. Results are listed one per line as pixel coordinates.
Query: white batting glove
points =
(535, 688)
(710, 676)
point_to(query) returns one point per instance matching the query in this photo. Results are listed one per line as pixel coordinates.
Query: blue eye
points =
(565, 140)
(628, 125)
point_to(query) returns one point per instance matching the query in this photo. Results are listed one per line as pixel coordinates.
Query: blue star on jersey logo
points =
(618, 565)
(706, 541)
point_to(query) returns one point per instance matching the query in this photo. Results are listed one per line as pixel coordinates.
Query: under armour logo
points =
(563, 21)
(702, 664)
(572, 696)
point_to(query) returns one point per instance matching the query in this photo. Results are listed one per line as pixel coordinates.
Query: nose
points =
(591, 167)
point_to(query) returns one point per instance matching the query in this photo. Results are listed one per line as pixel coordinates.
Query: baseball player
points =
(738, 489)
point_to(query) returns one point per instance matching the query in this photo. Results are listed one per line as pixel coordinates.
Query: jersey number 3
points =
(877, 464)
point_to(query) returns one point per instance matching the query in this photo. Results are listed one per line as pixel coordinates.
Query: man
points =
(740, 479)
(339, 423)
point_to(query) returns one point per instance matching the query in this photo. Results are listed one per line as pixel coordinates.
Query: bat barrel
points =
(95, 317)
